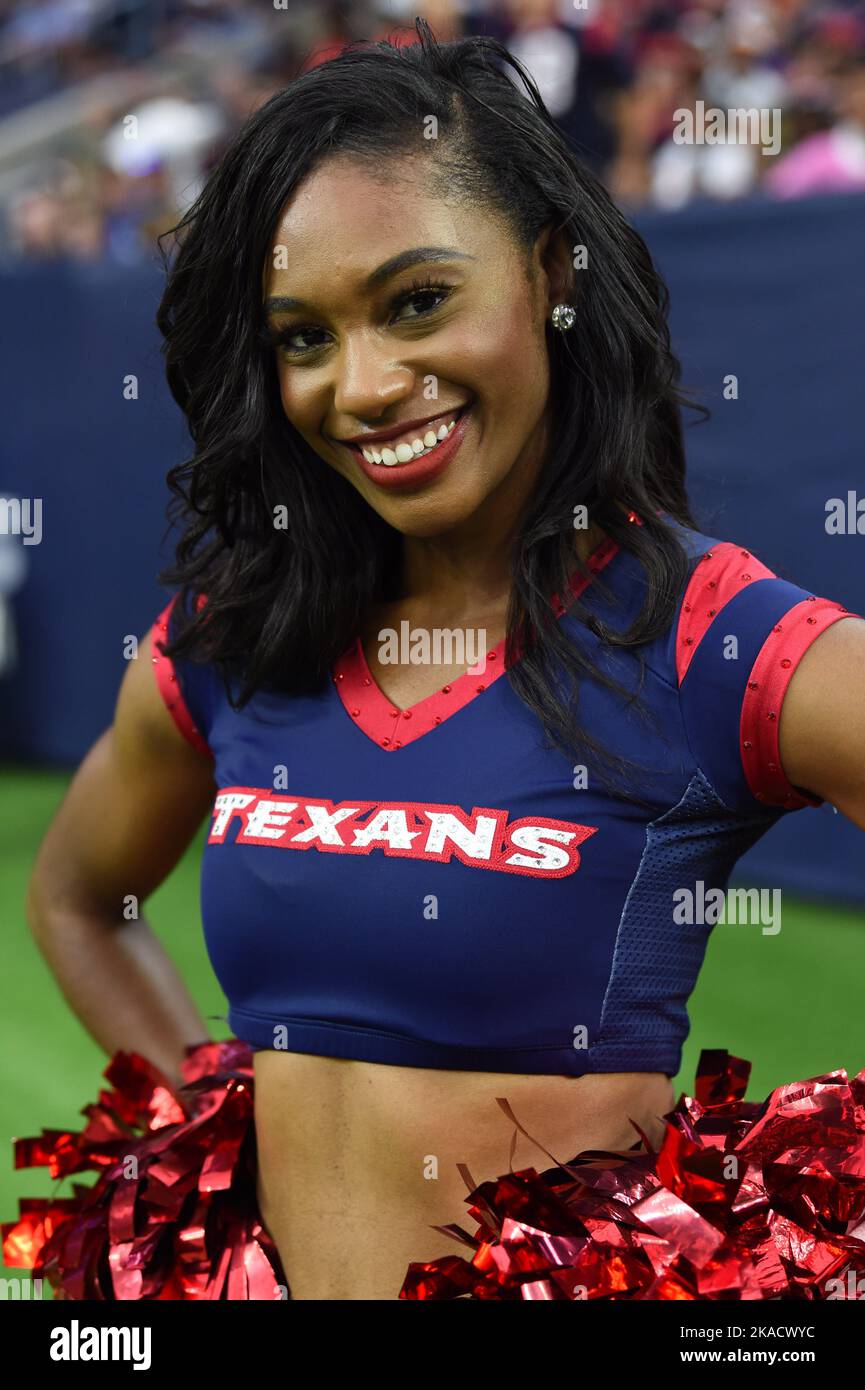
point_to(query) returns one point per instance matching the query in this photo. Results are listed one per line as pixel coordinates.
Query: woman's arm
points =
(130, 811)
(822, 730)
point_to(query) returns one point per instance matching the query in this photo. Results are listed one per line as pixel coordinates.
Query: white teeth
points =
(406, 451)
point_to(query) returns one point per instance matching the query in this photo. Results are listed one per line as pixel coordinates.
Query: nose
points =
(367, 379)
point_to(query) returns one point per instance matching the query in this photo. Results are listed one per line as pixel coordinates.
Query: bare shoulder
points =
(822, 728)
(142, 723)
(131, 808)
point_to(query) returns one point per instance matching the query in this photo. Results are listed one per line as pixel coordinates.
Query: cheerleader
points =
(466, 698)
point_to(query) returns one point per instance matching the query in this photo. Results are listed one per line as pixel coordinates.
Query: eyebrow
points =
(419, 255)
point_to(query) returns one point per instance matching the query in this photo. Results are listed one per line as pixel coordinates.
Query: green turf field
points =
(792, 1002)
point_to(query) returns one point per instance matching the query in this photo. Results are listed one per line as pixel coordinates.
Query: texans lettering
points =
(484, 839)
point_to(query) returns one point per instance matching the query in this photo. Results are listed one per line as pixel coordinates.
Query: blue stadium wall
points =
(773, 293)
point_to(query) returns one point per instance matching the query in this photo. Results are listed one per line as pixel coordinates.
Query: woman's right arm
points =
(132, 808)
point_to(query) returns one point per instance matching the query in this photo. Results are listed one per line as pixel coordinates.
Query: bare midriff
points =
(357, 1161)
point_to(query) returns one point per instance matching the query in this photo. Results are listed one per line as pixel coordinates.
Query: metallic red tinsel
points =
(173, 1213)
(741, 1201)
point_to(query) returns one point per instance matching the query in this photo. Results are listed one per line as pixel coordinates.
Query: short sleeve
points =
(187, 689)
(741, 633)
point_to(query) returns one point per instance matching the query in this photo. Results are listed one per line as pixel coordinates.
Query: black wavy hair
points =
(284, 604)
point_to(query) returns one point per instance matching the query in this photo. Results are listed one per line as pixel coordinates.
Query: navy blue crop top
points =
(437, 887)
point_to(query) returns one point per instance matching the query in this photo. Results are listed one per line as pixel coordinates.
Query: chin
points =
(426, 516)
(425, 525)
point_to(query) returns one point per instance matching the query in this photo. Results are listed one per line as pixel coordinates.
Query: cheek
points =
(522, 373)
(302, 409)
(294, 402)
(301, 406)
(503, 355)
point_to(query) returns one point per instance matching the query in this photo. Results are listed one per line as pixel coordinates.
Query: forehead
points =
(347, 218)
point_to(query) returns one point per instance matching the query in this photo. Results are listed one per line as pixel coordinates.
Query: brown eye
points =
(424, 292)
(285, 340)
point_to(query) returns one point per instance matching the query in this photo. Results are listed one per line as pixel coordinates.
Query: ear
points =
(553, 258)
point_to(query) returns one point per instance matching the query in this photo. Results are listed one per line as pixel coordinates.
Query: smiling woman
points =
(429, 381)
(387, 340)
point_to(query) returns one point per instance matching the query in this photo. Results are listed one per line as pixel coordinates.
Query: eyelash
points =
(418, 287)
(279, 338)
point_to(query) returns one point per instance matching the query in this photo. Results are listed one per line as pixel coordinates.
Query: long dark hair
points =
(284, 604)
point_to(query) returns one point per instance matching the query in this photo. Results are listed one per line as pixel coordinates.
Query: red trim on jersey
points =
(169, 686)
(392, 727)
(720, 574)
(767, 685)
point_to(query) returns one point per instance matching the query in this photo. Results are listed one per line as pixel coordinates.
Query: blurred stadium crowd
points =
(113, 111)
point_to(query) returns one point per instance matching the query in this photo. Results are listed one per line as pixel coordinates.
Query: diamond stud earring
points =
(564, 317)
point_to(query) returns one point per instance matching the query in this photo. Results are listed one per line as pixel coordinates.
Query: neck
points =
(475, 557)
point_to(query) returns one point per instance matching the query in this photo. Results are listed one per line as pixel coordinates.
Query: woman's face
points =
(414, 314)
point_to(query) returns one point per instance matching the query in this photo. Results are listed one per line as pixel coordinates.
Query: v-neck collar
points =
(393, 728)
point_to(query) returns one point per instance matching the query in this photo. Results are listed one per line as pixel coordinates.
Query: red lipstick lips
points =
(406, 477)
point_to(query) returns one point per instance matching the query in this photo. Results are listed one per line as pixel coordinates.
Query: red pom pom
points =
(173, 1213)
(742, 1201)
